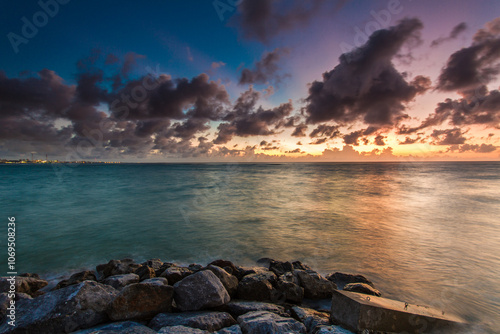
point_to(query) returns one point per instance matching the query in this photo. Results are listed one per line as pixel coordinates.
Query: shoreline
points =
(123, 296)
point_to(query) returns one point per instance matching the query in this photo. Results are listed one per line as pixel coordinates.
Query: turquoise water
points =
(426, 233)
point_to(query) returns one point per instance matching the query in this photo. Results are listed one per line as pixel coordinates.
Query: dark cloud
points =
(475, 65)
(457, 30)
(322, 130)
(262, 19)
(379, 140)
(319, 141)
(448, 137)
(483, 148)
(300, 130)
(246, 119)
(265, 70)
(354, 137)
(478, 106)
(409, 141)
(365, 85)
(297, 150)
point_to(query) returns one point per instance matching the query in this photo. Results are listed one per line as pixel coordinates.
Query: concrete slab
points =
(359, 312)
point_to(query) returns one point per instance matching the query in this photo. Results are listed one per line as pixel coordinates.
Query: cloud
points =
(262, 20)
(265, 70)
(478, 106)
(365, 85)
(476, 65)
(246, 119)
(457, 30)
(354, 137)
(483, 148)
(300, 130)
(297, 150)
(321, 130)
(379, 140)
(448, 137)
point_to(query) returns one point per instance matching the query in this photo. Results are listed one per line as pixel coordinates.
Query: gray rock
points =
(341, 279)
(235, 329)
(164, 267)
(87, 275)
(4, 304)
(181, 330)
(225, 264)
(261, 322)
(175, 274)
(301, 266)
(21, 295)
(194, 267)
(145, 272)
(310, 318)
(29, 285)
(117, 267)
(258, 286)
(332, 330)
(211, 321)
(229, 281)
(280, 268)
(200, 291)
(141, 301)
(288, 285)
(120, 281)
(156, 281)
(63, 311)
(362, 288)
(123, 327)
(315, 286)
(153, 263)
(239, 307)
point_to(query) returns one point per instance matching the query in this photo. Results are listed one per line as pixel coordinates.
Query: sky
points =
(250, 80)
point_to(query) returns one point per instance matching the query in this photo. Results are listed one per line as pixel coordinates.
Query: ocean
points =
(424, 232)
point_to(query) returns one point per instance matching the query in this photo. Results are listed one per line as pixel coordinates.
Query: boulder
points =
(300, 266)
(174, 274)
(229, 281)
(244, 271)
(117, 267)
(239, 307)
(280, 268)
(29, 285)
(64, 310)
(341, 279)
(4, 303)
(261, 322)
(120, 281)
(225, 264)
(145, 272)
(21, 295)
(315, 286)
(210, 321)
(200, 291)
(194, 267)
(291, 292)
(163, 267)
(181, 330)
(87, 275)
(123, 327)
(235, 329)
(310, 318)
(362, 288)
(156, 281)
(332, 330)
(258, 286)
(29, 275)
(141, 301)
(153, 263)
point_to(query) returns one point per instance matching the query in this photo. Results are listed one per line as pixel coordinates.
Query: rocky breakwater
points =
(122, 296)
